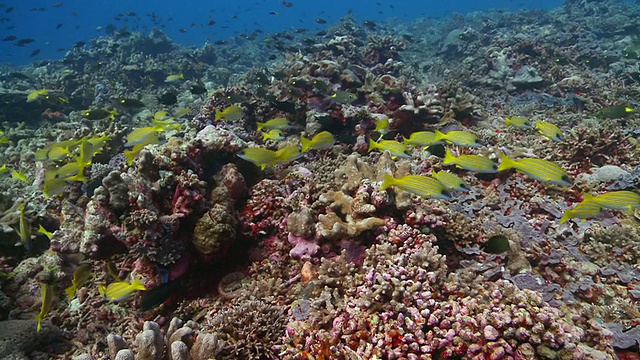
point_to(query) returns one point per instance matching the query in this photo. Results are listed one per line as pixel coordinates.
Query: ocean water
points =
(56, 26)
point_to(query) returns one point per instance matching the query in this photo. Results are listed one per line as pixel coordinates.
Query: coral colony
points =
(466, 188)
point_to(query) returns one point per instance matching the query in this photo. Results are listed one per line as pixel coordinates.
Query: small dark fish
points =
(211, 22)
(496, 245)
(236, 98)
(168, 99)
(58, 26)
(79, 44)
(369, 24)
(286, 3)
(23, 42)
(321, 21)
(221, 42)
(130, 103)
(35, 52)
(57, 5)
(274, 13)
(182, 30)
(300, 30)
(9, 9)
(131, 13)
(198, 89)
(10, 38)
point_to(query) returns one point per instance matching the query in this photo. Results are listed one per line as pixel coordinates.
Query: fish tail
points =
(566, 216)
(449, 158)
(372, 145)
(306, 143)
(39, 319)
(508, 121)
(440, 136)
(219, 116)
(129, 155)
(389, 180)
(261, 125)
(506, 163)
(71, 291)
(265, 136)
(406, 141)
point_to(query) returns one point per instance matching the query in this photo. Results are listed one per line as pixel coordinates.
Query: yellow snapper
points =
(280, 123)
(120, 290)
(174, 78)
(260, 156)
(288, 153)
(539, 169)
(475, 163)
(52, 152)
(395, 148)
(584, 210)
(549, 130)
(273, 134)
(24, 230)
(36, 94)
(44, 232)
(420, 185)
(231, 113)
(46, 297)
(422, 138)
(80, 277)
(382, 124)
(616, 200)
(131, 154)
(322, 140)
(517, 121)
(458, 137)
(450, 181)
(19, 176)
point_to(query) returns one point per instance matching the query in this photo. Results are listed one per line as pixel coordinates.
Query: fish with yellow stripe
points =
(616, 200)
(549, 130)
(584, 210)
(451, 181)
(321, 141)
(395, 148)
(80, 277)
(475, 163)
(120, 290)
(422, 138)
(539, 169)
(424, 186)
(46, 298)
(459, 137)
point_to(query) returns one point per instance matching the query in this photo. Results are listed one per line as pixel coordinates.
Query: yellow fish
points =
(460, 138)
(517, 121)
(549, 130)
(46, 297)
(616, 200)
(80, 277)
(584, 210)
(280, 123)
(231, 113)
(422, 138)
(475, 163)
(120, 290)
(420, 185)
(539, 169)
(450, 181)
(322, 140)
(274, 134)
(25, 229)
(45, 232)
(174, 78)
(19, 176)
(260, 156)
(131, 154)
(382, 125)
(395, 148)
(288, 153)
(36, 94)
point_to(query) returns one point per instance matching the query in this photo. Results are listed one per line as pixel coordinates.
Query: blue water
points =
(187, 22)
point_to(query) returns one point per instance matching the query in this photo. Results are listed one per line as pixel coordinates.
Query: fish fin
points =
(372, 145)
(506, 163)
(389, 180)
(306, 143)
(71, 291)
(448, 158)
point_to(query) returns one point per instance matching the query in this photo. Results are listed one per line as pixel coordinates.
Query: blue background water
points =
(80, 19)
